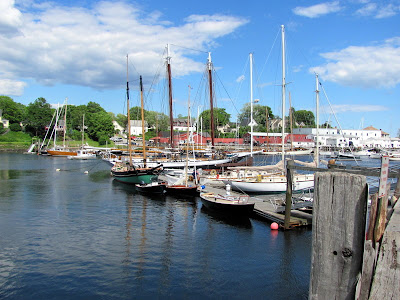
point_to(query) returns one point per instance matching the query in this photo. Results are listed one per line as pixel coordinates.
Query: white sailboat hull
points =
(273, 184)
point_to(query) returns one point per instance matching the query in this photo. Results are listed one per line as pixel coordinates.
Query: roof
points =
(370, 128)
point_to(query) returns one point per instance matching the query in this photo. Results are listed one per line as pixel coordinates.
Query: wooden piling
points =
(289, 186)
(386, 278)
(340, 205)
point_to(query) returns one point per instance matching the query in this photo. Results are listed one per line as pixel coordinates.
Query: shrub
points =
(103, 138)
(15, 127)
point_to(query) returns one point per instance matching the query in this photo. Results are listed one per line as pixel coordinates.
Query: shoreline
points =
(13, 147)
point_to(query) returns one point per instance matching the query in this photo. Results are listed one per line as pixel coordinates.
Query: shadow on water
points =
(237, 221)
(99, 176)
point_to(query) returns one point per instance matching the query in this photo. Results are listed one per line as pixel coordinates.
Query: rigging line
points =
(201, 51)
(334, 114)
(226, 91)
(270, 51)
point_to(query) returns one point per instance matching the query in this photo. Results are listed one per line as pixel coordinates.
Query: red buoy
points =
(274, 226)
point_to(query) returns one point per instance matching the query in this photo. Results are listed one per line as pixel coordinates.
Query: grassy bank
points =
(20, 142)
(15, 142)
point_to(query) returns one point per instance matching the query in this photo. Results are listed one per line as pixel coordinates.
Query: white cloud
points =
(317, 10)
(378, 11)
(341, 108)
(367, 10)
(87, 46)
(387, 11)
(10, 18)
(367, 67)
(11, 87)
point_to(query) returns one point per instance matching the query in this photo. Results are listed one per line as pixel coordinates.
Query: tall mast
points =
(128, 114)
(143, 131)
(317, 113)
(251, 104)
(283, 92)
(83, 129)
(171, 116)
(209, 64)
(187, 139)
(291, 122)
(65, 120)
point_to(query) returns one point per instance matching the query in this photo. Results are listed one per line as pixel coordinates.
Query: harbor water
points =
(67, 234)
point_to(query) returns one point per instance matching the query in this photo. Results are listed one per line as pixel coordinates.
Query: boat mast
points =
(83, 129)
(251, 104)
(291, 122)
(283, 92)
(171, 116)
(187, 139)
(65, 121)
(128, 114)
(143, 131)
(209, 64)
(317, 113)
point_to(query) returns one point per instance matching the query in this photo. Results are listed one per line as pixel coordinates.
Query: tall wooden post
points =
(338, 234)
(289, 187)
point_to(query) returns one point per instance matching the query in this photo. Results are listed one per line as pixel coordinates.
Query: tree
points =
(221, 117)
(12, 111)
(304, 116)
(259, 116)
(122, 120)
(99, 124)
(38, 116)
(75, 116)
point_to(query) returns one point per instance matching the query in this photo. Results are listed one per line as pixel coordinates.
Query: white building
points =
(136, 127)
(369, 137)
(117, 127)
(182, 125)
(5, 122)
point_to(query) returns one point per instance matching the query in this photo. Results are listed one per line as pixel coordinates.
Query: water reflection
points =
(238, 221)
(87, 236)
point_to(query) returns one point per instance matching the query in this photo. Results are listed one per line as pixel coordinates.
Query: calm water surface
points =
(69, 235)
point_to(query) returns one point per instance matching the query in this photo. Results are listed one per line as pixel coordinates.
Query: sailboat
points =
(83, 154)
(127, 172)
(276, 182)
(192, 162)
(178, 188)
(57, 150)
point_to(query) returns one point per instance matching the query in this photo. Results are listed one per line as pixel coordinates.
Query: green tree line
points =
(37, 116)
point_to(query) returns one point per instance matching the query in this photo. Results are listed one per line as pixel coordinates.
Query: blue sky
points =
(77, 50)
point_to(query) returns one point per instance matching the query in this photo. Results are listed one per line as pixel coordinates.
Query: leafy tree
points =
(259, 116)
(38, 116)
(75, 116)
(221, 117)
(12, 111)
(304, 116)
(122, 120)
(98, 123)
(2, 129)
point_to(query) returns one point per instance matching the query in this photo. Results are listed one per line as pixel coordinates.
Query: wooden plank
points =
(380, 223)
(372, 217)
(386, 280)
(340, 205)
(368, 266)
